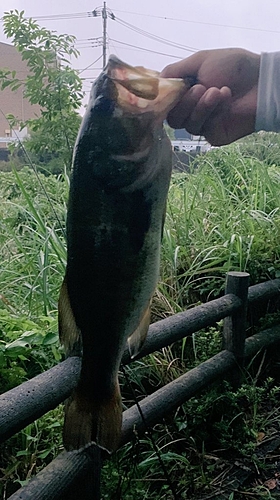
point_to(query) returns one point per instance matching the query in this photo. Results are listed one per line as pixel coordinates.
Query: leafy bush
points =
(26, 348)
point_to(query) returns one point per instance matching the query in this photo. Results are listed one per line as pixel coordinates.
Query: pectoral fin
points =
(137, 339)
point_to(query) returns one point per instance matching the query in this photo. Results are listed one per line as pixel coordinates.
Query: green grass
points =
(223, 216)
(32, 241)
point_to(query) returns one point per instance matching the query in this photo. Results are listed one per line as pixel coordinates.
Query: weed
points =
(26, 453)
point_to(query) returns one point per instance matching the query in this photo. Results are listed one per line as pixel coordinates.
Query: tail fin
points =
(92, 421)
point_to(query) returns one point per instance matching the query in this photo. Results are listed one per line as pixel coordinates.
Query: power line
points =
(74, 15)
(92, 39)
(82, 70)
(89, 69)
(199, 22)
(154, 37)
(95, 13)
(115, 49)
(84, 45)
(147, 50)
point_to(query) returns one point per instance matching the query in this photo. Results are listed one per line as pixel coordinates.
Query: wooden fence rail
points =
(63, 477)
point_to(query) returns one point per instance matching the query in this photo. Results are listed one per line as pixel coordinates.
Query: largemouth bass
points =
(120, 179)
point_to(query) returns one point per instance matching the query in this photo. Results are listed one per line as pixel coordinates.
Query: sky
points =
(184, 27)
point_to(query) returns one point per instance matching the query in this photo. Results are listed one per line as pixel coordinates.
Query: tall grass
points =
(32, 240)
(223, 216)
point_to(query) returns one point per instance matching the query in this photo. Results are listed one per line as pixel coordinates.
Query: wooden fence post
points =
(88, 487)
(234, 331)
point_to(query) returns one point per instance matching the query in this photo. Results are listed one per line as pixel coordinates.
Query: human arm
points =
(222, 105)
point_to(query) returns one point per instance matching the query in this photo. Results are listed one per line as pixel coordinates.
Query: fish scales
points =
(118, 190)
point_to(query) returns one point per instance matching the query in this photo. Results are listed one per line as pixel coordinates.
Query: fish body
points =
(118, 190)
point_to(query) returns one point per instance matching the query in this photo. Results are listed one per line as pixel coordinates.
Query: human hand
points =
(222, 105)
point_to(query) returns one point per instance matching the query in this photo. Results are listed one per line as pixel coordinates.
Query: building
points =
(184, 141)
(13, 102)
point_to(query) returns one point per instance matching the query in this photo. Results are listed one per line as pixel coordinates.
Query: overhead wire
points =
(85, 44)
(94, 13)
(147, 50)
(110, 40)
(199, 22)
(88, 43)
(155, 37)
(96, 60)
(74, 15)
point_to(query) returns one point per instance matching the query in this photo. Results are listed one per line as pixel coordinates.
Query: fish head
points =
(131, 99)
(125, 115)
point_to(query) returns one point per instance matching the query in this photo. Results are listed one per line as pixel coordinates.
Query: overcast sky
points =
(189, 25)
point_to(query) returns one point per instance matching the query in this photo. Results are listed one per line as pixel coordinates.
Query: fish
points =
(118, 190)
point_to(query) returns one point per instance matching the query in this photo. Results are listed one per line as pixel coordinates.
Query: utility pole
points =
(104, 17)
(105, 13)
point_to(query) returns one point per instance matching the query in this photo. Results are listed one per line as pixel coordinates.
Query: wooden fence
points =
(70, 476)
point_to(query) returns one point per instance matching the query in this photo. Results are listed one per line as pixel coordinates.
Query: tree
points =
(51, 83)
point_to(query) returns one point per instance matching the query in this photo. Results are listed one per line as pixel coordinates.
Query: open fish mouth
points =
(142, 89)
(138, 80)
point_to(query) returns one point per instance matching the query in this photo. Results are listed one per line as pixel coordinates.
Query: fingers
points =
(196, 107)
(181, 112)
(212, 101)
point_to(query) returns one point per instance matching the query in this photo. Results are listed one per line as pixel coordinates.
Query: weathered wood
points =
(61, 476)
(263, 291)
(71, 476)
(234, 331)
(75, 466)
(262, 340)
(170, 330)
(32, 399)
(155, 406)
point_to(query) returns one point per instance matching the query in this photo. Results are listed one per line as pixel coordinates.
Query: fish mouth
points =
(140, 90)
(139, 81)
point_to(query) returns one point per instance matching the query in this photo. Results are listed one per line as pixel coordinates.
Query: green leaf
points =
(44, 454)
(51, 338)
(23, 453)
